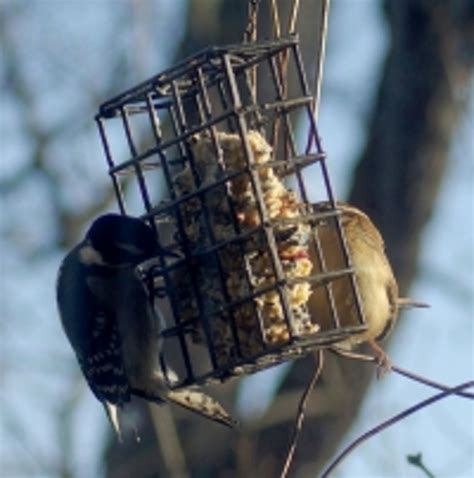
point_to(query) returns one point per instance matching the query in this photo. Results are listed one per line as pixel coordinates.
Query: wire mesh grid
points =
(216, 168)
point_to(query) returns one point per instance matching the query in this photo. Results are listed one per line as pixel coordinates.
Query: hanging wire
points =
(319, 64)
(275, 19)
(250, 36)
(320, 56)
(291, 29)
(250, 33)
(294, 16)
(283, 58)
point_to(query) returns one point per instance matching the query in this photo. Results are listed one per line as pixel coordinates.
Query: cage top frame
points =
(210, 57)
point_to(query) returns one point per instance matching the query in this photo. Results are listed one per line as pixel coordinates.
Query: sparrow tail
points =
(406, 303)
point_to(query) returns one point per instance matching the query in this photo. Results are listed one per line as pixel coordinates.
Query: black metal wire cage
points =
(215, 165)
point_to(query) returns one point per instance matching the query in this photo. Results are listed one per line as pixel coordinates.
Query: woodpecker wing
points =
(92, 330)
(105, 369)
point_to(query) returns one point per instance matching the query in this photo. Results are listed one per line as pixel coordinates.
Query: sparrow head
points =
(118, 240)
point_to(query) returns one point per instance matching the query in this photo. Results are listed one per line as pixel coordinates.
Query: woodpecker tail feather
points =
(406, 303)
(202, 404)
(113, 415)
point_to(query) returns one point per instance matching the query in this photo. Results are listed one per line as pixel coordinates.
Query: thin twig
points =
(405, 373)
(430, 383)
(391, 421)
(300, 414)
(416, 460)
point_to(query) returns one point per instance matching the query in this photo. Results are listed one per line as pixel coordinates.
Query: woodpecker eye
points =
(130, 249)
(120, 253)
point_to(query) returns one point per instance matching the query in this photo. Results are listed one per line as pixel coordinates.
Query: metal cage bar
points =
(327, 182)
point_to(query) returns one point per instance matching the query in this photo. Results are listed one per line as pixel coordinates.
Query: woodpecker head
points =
(117, 240)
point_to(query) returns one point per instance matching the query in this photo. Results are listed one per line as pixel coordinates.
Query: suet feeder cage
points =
(219, 172)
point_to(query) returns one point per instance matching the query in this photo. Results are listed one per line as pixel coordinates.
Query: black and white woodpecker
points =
(111, 324)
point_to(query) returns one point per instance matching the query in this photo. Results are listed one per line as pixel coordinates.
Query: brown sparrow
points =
(376, 283)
